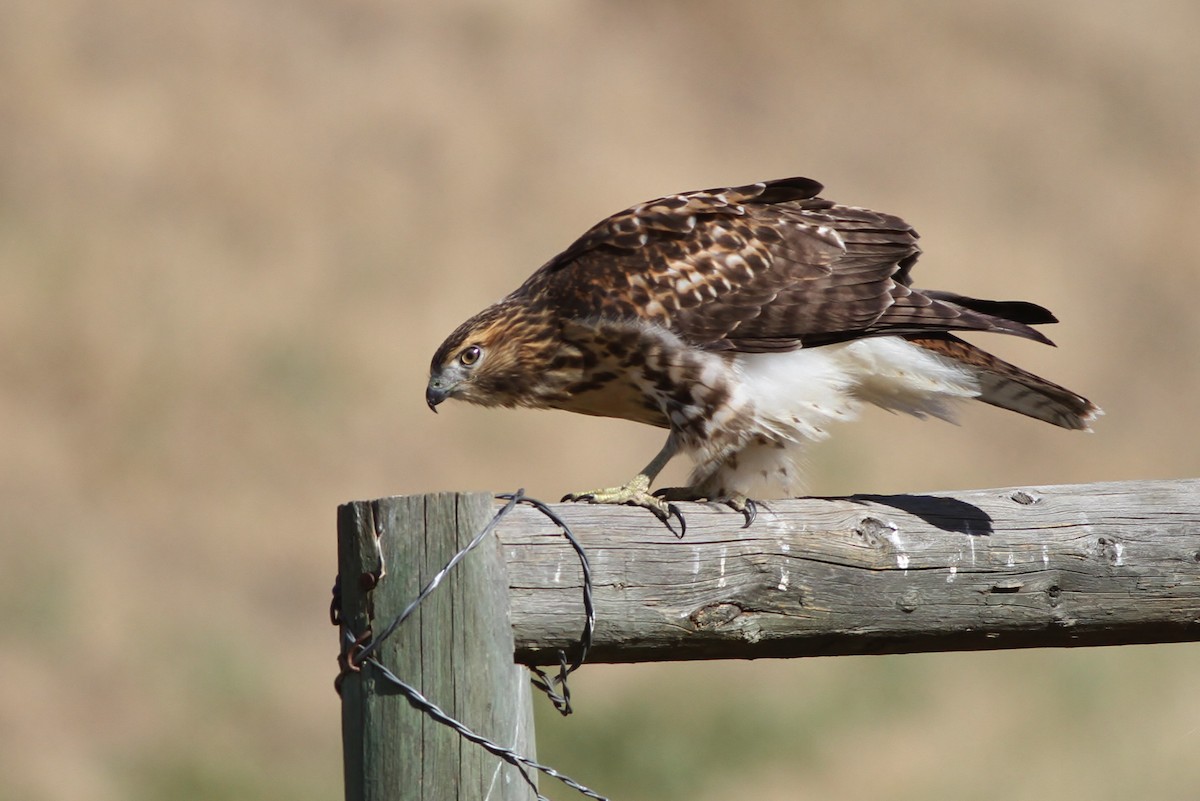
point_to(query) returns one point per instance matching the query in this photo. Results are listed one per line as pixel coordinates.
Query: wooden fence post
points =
(1090, 564)
(456, 649)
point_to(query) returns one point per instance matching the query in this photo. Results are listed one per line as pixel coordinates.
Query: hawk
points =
(746, 321)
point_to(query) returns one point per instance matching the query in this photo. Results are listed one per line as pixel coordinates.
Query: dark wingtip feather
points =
(1002, 326)
(1014, 317)
(1019, 311)
(783, 190)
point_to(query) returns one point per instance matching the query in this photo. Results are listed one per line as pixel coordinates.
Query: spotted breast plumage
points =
(746, 321)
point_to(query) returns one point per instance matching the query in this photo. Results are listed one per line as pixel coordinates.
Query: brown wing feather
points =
(764, 267)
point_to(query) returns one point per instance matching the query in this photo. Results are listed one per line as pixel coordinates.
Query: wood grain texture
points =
(1097, 564)
(456, 649)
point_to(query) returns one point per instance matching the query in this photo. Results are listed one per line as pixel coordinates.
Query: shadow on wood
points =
(1098, 564)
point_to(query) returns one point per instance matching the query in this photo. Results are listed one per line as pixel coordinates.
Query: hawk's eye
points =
(470, 355)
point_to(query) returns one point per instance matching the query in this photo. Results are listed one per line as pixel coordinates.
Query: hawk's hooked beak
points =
(436, 392)
(440, 387)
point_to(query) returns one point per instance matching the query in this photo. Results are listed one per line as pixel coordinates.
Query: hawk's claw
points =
(748, 508)
(739, 503)
(635, 493)
(661, 503)
(672, 509)
(664, 515)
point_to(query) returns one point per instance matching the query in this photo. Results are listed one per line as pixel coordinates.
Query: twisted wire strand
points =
(357, 653)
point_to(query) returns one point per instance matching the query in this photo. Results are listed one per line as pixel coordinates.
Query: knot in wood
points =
(1024, 497)
(909, 601)
(1110, 550)
(714, 616)
(874, 530)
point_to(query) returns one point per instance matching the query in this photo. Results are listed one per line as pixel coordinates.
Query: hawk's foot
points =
(635, 493)
(739, 503)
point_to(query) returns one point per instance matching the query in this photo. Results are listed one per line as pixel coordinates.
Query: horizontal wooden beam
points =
(1093, 564)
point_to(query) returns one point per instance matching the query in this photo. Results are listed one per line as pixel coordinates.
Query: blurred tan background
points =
(232, 234)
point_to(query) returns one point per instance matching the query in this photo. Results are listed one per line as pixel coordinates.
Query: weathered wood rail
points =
(1094, 564)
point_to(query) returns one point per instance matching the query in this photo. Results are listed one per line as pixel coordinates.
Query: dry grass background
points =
(233, 232)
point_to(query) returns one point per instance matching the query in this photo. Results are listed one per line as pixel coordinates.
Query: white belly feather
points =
(793, 398)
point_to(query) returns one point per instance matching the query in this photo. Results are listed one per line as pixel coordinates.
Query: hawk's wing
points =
(765, 267)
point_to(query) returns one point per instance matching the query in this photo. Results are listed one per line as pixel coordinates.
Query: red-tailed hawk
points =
(745, 321)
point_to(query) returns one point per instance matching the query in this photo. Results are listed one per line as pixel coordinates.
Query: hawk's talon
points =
(673, 509)
(635, 493)
(739, 503)
(748, 508)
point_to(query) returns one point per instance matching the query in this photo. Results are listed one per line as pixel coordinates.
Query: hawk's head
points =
(493, 359)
